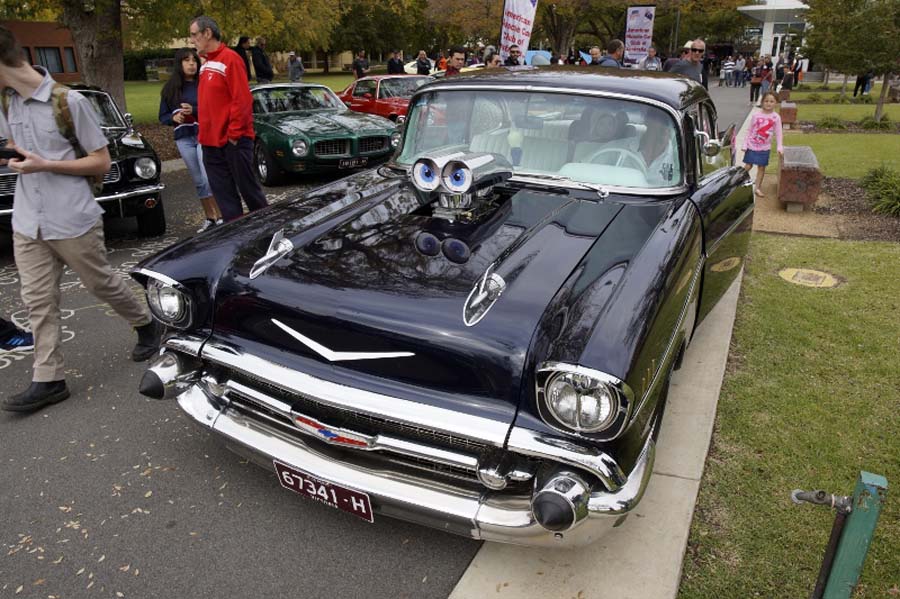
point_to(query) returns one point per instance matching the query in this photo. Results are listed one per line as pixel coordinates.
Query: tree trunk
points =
(844, 86)
(97, 34)
(879, 108)
(825, 82)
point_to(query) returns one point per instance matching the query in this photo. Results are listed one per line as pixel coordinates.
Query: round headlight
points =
(581, 402)
(168, 304)
(401, 118)
(396, 136)
(299, 148)
(145, 168)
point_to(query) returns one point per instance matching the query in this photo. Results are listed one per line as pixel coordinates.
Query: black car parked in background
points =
(131, 188)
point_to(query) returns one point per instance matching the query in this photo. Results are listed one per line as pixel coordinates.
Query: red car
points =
(384, 95)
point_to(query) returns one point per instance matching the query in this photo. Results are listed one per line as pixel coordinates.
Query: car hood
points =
(319, 123)
(356, 283)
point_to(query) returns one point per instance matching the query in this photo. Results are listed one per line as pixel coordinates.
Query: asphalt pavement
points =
(109, 492)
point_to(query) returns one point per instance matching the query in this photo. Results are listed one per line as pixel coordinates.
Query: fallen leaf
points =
(90, 584)
(148, 494)
(19, 590)
(38, 582)
(119, 594)
(57, 561)
(425, 579)
(80, 572)
(102, 557)
(124, 568)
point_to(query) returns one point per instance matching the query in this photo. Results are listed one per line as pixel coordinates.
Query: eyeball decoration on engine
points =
(458, 184)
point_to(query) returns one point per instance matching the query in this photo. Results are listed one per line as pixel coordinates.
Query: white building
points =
(783, 23)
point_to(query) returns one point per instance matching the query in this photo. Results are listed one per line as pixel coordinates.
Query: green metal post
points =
(868, 499)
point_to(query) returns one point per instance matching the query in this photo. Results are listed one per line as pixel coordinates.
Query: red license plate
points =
(332, 495)
(353, 162)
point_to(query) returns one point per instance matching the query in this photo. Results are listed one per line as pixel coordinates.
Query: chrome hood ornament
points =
(483, 296)
(338, 356)
(279, 247)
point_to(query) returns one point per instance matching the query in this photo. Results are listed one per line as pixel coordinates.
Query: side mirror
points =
(726, 137)
(710, 147)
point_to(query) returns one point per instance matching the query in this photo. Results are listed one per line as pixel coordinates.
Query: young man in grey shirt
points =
(56, 221)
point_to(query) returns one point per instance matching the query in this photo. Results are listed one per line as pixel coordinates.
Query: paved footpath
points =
(642, 558)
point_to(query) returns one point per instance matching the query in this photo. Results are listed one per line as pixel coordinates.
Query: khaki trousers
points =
(40, 263)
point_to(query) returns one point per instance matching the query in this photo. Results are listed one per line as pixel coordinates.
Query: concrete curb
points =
(643, 557)
(173, 166)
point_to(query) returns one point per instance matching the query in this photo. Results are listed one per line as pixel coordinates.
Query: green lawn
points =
(833, 88)
(810, 398)
(848, 154)
(143, 96)
(845, 112)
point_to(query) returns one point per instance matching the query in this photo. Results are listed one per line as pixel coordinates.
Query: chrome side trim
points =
(740, 220)
(390, 408)
(698, 270)
(591, 459)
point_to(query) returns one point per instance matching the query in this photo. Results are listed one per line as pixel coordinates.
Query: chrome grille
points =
(332, 147)
(113, 175)
(372, 144)
(363, 423)
(8, 184)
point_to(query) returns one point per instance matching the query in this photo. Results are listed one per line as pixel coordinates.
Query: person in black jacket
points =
(423, 65)
(261, 62)
(395, 63)
(243, 50)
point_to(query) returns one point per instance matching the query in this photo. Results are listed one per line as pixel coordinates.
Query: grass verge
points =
(143, 96)
(810, 398)
(848, 155)
(833, 88)
(844, 112)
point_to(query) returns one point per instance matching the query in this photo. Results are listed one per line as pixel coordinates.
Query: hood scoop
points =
(279, 247)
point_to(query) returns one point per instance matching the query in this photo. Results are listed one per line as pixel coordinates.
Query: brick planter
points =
(799, 178)
(789, 114)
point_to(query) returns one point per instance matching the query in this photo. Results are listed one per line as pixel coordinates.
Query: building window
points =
(70, 60)
(50, 59)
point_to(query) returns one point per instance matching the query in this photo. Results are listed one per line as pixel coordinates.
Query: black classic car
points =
(130, 188)
(479, 335)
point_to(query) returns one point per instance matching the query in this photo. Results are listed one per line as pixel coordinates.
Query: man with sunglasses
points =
(513, 59)
(692, 67)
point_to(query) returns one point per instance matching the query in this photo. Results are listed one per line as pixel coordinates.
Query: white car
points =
(411, 68)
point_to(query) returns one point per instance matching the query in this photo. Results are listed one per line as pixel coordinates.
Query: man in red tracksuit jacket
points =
(225, 115)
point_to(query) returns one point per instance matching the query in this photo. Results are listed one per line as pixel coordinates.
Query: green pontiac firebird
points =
(302, 128)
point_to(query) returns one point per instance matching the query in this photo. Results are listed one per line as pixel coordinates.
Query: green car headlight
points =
(299, 148)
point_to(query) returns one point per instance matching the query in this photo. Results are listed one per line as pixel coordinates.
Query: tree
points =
(856, 36)
(97, 31)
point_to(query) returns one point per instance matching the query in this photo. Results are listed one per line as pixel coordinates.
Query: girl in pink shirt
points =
(759, 139)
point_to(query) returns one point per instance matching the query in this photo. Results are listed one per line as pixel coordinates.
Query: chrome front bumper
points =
(116, 197)
(479, 514)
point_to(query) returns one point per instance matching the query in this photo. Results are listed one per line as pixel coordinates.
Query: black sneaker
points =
(18, 340)
(148, 341)
(36, 396)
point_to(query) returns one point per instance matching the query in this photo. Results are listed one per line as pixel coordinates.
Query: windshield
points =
(107, 115)
(401, 87)
(287, 99)
(587, 139)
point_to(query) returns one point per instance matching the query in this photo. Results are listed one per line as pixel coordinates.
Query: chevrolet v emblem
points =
(339, 356)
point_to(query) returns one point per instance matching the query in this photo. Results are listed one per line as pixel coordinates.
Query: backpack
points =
(65, 124)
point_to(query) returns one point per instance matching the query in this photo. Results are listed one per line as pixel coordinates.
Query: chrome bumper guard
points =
(477, 513)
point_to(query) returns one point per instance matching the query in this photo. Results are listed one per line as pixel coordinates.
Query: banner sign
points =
(638, 33)
(518, 21)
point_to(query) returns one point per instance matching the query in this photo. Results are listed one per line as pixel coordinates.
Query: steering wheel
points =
(624, 156)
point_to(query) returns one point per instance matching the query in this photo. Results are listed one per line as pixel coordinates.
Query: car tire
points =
(152, 222)
(267, 171)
